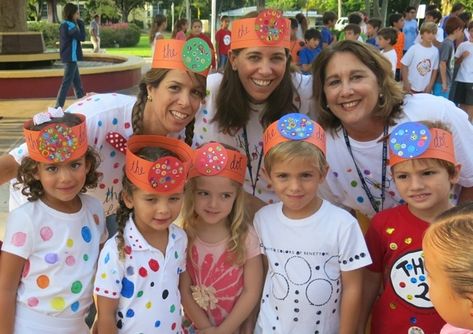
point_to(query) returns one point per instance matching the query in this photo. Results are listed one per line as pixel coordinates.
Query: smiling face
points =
(351, 90)
(174, 103)
(424, 185)
(296, 183)
(62, 182)
(153, 213)
(260, 69)
(214, 197)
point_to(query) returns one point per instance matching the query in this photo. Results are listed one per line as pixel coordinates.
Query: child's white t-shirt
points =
(465, 72)
(306, 256)
(391, 55)
(61, 251)
(145, 282)
(421, 61)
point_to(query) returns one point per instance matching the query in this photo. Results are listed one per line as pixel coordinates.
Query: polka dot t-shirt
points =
(146, 282)
(61, 252)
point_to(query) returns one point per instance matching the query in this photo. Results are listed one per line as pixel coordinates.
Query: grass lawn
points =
(142, 49)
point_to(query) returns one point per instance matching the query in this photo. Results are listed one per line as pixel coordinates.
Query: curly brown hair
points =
(389, 107)
(32, 187)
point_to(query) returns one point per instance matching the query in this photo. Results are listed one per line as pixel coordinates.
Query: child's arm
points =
(459, 60)
(352, 282)
(192, 310)
(371, 287)
(252, 287)
(106, 310)
(10, 275)
(443, 75)
(405, 75)
(9, 168)
(433, 77)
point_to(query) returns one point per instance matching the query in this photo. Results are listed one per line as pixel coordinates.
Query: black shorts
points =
(464, 93)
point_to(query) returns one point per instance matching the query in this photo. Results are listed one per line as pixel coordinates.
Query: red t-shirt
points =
(209, 42)
(394, 240)
(223, 38)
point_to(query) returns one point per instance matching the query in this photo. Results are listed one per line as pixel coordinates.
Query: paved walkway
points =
(14, 113)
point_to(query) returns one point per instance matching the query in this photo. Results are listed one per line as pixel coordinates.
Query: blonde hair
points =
(450, 237)
(428, 27)
(238, 221)
(290, 150)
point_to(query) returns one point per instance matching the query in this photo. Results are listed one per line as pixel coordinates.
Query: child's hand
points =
(465, 54)
(407, 86)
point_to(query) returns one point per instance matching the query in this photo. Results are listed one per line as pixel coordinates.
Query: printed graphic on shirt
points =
(424, 67)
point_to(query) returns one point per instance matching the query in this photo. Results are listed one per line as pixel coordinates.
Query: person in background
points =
(457, 9)
(223, 39)
(95, 33)
(352, 32)
(296, 44)
(434, 16)
(196, 31)
(157, 30)
(410, 29)
(372, 27)
(450, 289)
(71, 33)
(329, 19)
(420, 63)
(302, 25)
(356, 19)
(466, 18)
(180, 29)
(464, 79)
(396, 21)
(386, 40)
(310, 51)
(443, 83)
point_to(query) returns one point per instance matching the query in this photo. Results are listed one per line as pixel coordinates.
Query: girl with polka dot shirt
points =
(52, 242)
(138, 270)
(224, 276)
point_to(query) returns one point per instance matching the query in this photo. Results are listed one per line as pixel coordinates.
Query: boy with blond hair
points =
(420, 63)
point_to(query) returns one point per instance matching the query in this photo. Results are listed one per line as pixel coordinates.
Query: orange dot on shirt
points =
(42, 281)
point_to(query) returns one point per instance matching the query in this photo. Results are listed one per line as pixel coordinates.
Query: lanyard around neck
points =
(368, 193)
(253, 178)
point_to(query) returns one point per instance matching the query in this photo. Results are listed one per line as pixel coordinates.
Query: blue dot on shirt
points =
(75, 306)
(157, 323)
(112, 154)
(99, 123)
(115, 121)
(86, 234)
(127, 288)
(130, 313)
(107, 258)
(360, 199)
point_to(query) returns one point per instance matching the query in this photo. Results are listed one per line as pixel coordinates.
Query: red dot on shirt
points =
(402, 284)
(128, 250)
(173, 326)
(116, 165)
(153, 265)
(143, 272)
(127, 125)
(115, 181)
(101, 186)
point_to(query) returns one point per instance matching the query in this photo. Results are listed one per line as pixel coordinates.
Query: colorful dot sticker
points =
(166, 174)
(270, 26)
(211, 159)
(295, 126)
(410, 140)
(196, 55)
(57, 142)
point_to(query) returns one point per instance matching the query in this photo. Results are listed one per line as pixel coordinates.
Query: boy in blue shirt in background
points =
(311, 50)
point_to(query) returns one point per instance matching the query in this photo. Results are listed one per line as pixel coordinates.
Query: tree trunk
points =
(13, 15)
(384, 10)
(260, 4)
(52, 11)
(368, 8)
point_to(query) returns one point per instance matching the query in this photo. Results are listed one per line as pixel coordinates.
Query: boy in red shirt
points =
(223, 39)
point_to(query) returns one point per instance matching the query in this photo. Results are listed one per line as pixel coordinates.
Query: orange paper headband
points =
(294, 127)
(56, 142)
(414, 140)
(214, 159)
(269, 28)
(192, 55)
(167, 174)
